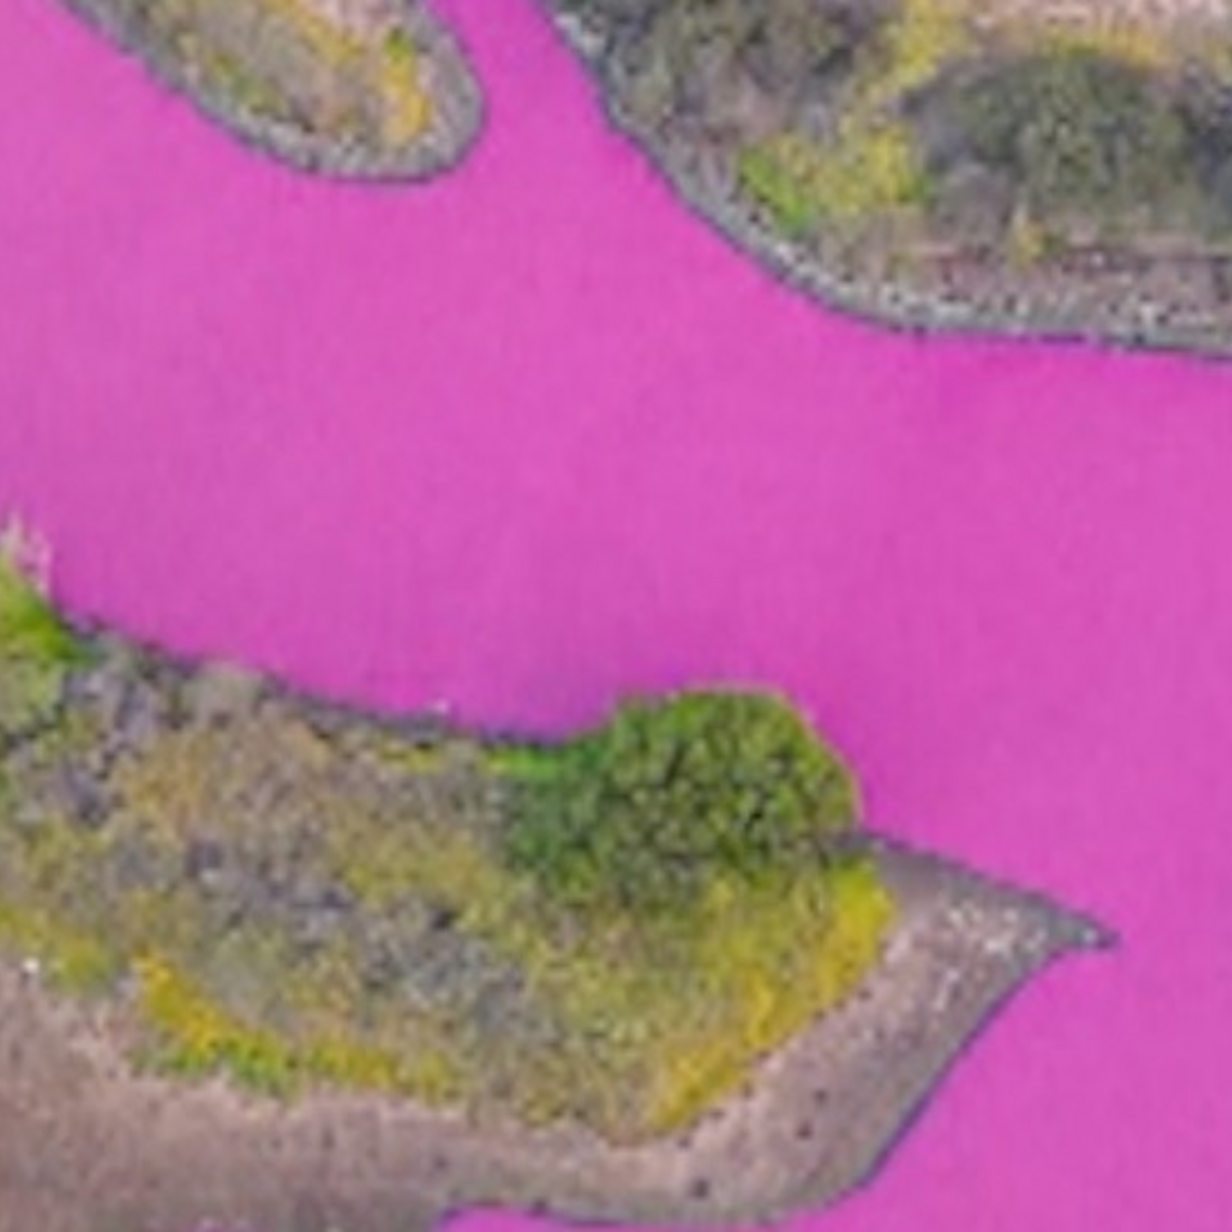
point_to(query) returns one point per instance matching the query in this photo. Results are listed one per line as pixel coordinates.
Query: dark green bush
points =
(644, 811)
(1206, 107)
(1074, 129)
(688, 60)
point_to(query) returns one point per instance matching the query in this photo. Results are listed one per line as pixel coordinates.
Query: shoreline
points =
(1036, 305)
(458, 112)
(90, 1146)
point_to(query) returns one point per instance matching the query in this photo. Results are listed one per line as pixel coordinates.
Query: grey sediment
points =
(458, 109)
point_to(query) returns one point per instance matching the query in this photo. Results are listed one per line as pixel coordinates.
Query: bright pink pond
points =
(535, 437)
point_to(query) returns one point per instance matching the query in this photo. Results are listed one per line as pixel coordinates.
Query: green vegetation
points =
(685, 54)
(645, 811)
(36, 647)
(29, 628)
(867, 164)
(914, 46)
(611, 929)
(1081, 130)
(1076, 130)
(948, 131)
(869, 168)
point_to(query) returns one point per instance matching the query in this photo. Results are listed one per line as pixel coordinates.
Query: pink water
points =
(535, 437)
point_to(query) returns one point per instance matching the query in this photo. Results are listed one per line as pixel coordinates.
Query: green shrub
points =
(683, 58)
(645, 811)
(37, 648)
(1076, 129)
(29, 627)
(869, 167)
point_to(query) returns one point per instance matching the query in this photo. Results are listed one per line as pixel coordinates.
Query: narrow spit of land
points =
(373, 89)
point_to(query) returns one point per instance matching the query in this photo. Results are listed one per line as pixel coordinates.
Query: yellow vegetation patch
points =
(373, 75)
(655, 1018)
(768, 968)
(407, 107)
(1139, 42)
(924, 37)
(629, 1021)
(197, 1037)
(74, 961)
(871, 167)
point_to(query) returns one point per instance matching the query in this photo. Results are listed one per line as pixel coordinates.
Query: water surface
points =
(535, 437)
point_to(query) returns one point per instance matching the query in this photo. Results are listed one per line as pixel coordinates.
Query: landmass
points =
(373, 89)
(274, 962)
(1051, 168)
(1048, 169)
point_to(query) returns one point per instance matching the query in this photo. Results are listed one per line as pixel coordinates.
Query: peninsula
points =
(268, 961)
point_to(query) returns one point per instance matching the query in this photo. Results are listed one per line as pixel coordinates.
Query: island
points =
(370, 89)
(269, 961)
(1044, 168)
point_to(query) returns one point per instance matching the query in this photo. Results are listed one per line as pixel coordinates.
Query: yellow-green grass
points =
(31, 631)
(37, 648)
(659, 1016)
(656, 1020)
(647, 1019)
(291, 60)
(868, 166)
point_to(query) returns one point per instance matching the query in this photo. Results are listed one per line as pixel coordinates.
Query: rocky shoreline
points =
(89, 1146)
(1170, 290)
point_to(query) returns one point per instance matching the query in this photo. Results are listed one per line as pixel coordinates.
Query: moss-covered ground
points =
(291, 894)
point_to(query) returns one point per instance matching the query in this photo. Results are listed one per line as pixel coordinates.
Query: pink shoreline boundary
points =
(534, 437)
